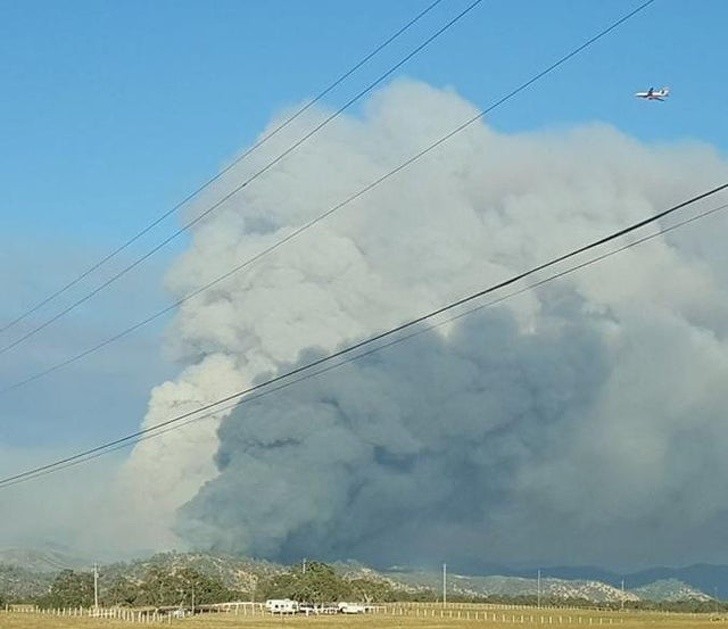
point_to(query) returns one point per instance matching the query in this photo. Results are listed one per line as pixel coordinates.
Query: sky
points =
(113, 112)
(120, 109)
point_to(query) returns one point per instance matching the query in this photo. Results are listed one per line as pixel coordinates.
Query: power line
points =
(213, 179)
(326, 214)
(245, 183)
(153, 432)
(284, 379)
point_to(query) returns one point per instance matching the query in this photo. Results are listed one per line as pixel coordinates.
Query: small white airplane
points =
(653, 94)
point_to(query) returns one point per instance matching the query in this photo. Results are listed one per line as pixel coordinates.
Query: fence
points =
(115, 613)
(502, 615)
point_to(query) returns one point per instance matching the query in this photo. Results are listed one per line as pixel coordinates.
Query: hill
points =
(670, 590)
(28, 573)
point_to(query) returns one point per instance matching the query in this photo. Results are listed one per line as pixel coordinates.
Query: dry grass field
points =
(414, 618)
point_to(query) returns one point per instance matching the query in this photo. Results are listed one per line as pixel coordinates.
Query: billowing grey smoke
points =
(406, 455)
(488, 444)
(581, 422)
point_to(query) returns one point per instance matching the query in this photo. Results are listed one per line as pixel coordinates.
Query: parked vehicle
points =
(281, 606)
(351, 608)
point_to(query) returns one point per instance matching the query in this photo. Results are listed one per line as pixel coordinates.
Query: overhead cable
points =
(237, 189)
(153, 433)
(283, 378)
(306, 226)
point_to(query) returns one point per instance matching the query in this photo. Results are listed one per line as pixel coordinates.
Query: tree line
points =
(316, 583)
(186, 587)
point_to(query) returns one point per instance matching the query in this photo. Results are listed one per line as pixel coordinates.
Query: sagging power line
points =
(187, 226)
(348, 353)
(206, 184)
(153, 433)
(306, 226)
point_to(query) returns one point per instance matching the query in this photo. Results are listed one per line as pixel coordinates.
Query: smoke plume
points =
(582, 421)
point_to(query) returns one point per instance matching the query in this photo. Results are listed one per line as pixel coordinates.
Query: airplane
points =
(653, 94)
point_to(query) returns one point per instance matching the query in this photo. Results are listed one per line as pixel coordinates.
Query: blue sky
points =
(111, 112)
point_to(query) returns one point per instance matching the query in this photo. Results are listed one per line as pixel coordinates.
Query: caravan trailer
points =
(281, 606)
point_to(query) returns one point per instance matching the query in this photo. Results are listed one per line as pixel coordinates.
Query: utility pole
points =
(622, 593)
(538, 586)
(96, 586)
(444, 584)
(304, 565)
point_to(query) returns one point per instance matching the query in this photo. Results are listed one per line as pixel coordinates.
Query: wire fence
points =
(486, 613)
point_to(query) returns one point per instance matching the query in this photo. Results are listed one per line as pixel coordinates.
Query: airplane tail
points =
(666, 91)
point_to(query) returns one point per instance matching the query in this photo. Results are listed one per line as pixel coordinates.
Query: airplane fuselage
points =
(654, 94)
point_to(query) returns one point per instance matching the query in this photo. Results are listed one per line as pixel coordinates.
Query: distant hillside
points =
(515, 586)
(28, 573)
(707, 578)
(19, 584)
(43, 561)
(670, 590)
(233, 572)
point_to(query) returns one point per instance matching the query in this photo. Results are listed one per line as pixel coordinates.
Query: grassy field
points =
(415, 618)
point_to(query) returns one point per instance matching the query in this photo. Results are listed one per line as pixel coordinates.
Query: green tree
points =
(369, 591)
(123, 591)
(317, 584)
(70, 589)
(185, 586)
(320, 584)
